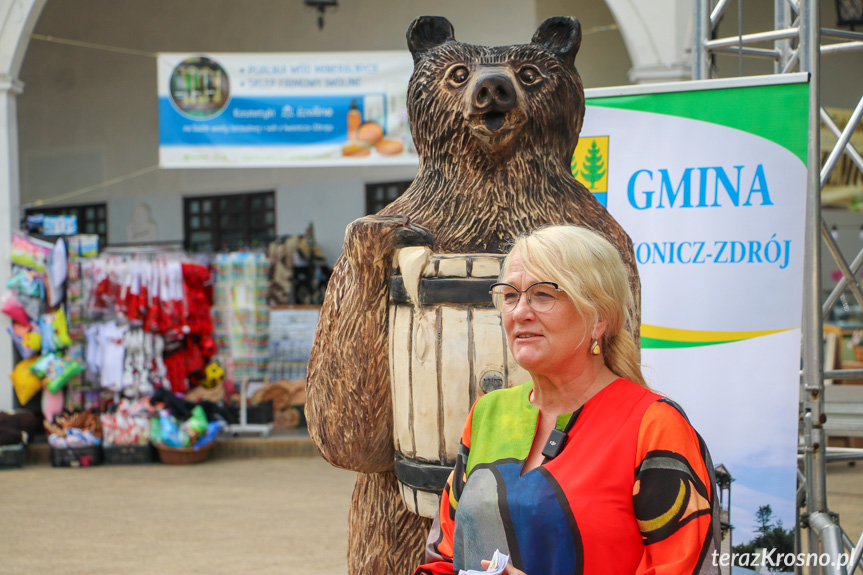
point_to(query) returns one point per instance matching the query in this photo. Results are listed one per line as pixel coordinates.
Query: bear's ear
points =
(561, 35)
(427, 32)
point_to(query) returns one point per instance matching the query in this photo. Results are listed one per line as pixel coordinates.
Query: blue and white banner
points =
(282, 110)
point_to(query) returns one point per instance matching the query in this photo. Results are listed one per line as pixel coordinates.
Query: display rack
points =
(244, 426)
(796, 43)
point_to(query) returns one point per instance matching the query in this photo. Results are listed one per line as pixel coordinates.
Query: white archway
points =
(658, 37)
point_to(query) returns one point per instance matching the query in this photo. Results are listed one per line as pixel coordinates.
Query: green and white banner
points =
(709, 180)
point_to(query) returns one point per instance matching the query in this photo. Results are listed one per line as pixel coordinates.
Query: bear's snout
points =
(494, 92)
(494, 107)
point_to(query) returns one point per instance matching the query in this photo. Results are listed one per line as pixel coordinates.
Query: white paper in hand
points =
(496, 567)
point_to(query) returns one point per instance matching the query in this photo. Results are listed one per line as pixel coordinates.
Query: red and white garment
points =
(112, 351)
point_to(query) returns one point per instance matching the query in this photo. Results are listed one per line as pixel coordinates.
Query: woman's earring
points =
(594, 348)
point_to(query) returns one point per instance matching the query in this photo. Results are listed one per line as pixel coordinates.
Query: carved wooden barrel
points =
(445, 351)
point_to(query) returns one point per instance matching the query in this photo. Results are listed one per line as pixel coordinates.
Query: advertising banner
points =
(709, 180)
(281, 110)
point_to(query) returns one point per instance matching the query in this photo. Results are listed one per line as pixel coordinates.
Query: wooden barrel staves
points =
(446, 349)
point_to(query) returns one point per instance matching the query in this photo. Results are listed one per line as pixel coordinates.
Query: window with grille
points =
(229, 222)
(379, 195)
(92, 218)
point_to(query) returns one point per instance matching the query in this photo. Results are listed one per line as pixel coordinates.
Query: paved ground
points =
(227, 515)
(845, 496)
(262, 516)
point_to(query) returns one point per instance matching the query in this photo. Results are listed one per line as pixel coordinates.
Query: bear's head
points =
(490, 104)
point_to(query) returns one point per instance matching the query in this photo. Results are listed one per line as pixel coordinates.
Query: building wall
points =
(89, 114)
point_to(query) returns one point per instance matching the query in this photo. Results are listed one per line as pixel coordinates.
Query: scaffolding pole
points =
(797, 44)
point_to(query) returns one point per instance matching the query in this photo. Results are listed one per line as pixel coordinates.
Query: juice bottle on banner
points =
(355, 118)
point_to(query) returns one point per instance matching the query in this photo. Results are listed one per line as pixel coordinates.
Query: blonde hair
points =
(588, 268)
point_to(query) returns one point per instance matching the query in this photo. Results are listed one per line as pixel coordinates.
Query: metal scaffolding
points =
(796, 44)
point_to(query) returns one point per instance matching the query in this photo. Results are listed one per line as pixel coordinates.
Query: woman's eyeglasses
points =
(541, 296)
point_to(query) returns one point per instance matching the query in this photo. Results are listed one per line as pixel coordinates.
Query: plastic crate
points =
(12, 456)
(76, 456)
(128, 454)
(259, 413)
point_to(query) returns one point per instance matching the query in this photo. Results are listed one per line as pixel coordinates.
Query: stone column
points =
(17, 20)
(10, 206)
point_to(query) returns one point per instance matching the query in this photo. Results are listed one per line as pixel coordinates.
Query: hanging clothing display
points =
(241, 314)
(110, 354)
(153, 324)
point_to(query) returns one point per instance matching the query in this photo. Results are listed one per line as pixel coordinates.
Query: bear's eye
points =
(459, 75)
(528, 75)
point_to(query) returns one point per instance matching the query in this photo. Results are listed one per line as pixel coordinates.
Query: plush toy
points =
(213, 429)
(495, 129)
(27, 340)
(29, 286)
(27, 283)
(52, 404)
(55, 331)
(55, 371)
(171, 434)
(213, 375)
(29, 253)
(14, 309)
(196, 426)
(26, 383)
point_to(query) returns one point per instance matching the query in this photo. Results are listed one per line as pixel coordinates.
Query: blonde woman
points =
(584, 469)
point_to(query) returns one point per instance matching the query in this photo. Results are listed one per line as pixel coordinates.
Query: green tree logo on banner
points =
(593, 168)
(592, 156)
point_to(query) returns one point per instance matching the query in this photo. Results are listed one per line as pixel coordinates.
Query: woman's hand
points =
(508, 570)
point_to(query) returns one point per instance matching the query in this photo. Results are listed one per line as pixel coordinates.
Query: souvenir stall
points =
(149, 338)
(111, 341)
(109, 344)
(34, 299)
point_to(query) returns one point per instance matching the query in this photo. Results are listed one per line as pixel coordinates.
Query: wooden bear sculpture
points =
(495, 129)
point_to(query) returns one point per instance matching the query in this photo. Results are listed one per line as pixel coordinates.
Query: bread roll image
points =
(354, 148)
(370, 132)
(389, 147)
